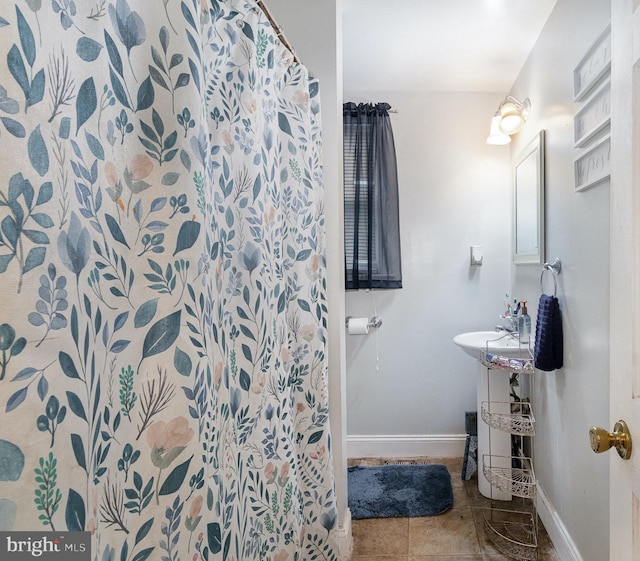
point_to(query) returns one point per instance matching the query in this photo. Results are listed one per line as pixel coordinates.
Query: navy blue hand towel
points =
(548, 348)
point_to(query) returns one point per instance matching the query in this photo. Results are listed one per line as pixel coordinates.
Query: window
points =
(372, 233)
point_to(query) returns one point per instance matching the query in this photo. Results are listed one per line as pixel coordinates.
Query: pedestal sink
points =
(493, 386)
(494, 342)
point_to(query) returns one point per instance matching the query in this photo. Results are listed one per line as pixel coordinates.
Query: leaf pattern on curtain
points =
(163, 378)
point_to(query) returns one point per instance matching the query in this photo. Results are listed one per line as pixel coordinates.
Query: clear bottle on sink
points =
(524, 325)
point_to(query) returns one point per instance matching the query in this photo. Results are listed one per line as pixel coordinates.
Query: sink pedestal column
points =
(493, 386)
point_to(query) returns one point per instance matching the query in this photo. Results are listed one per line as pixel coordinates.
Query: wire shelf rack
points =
(510, 364)
(518, 481)
(513, 533)
(519, 420)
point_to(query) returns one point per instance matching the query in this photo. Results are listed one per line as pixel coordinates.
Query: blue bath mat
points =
(399, 490)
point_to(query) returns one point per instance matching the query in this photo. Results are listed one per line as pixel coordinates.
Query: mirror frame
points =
(534, 151)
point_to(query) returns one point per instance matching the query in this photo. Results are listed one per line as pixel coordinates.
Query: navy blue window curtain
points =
(371, 217)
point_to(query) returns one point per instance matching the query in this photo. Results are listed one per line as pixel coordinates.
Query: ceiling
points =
(438, 45)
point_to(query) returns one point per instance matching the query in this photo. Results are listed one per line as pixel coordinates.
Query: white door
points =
(625, 277)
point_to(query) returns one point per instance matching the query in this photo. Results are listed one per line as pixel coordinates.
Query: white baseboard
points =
(345, 538)
(406, 446)
(562, 542)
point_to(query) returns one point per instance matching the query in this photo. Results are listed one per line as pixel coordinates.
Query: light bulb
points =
(511, 124)
(511, 119)
(495, 135)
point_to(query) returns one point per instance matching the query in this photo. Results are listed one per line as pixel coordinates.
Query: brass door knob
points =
(620, 439)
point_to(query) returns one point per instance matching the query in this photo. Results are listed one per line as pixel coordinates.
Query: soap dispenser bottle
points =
(524, 325)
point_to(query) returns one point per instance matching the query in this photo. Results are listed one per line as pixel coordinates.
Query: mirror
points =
(528, 203)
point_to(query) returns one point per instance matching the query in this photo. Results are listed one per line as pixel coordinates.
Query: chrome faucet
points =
(512, 328)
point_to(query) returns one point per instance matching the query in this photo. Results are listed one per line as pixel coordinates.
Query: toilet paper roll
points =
(358, 326)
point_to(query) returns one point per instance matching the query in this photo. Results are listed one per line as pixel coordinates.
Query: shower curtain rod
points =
(277, 29)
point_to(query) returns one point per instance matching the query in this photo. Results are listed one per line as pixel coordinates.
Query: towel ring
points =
(555, 269)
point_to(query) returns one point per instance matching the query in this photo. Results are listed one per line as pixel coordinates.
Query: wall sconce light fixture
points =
(508, 119)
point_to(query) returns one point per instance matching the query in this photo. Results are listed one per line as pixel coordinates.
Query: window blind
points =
(356, 196)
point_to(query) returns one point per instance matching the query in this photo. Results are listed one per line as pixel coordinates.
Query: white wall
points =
(573, 480)
(454, 192)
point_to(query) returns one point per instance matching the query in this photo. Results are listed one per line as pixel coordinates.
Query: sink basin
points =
(493, 342)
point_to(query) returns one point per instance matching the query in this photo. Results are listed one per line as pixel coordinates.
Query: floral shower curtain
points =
(163, 310)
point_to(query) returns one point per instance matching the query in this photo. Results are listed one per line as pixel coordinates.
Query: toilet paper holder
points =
(375, 321)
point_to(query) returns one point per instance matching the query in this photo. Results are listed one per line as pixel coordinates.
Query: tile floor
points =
(457, 535)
